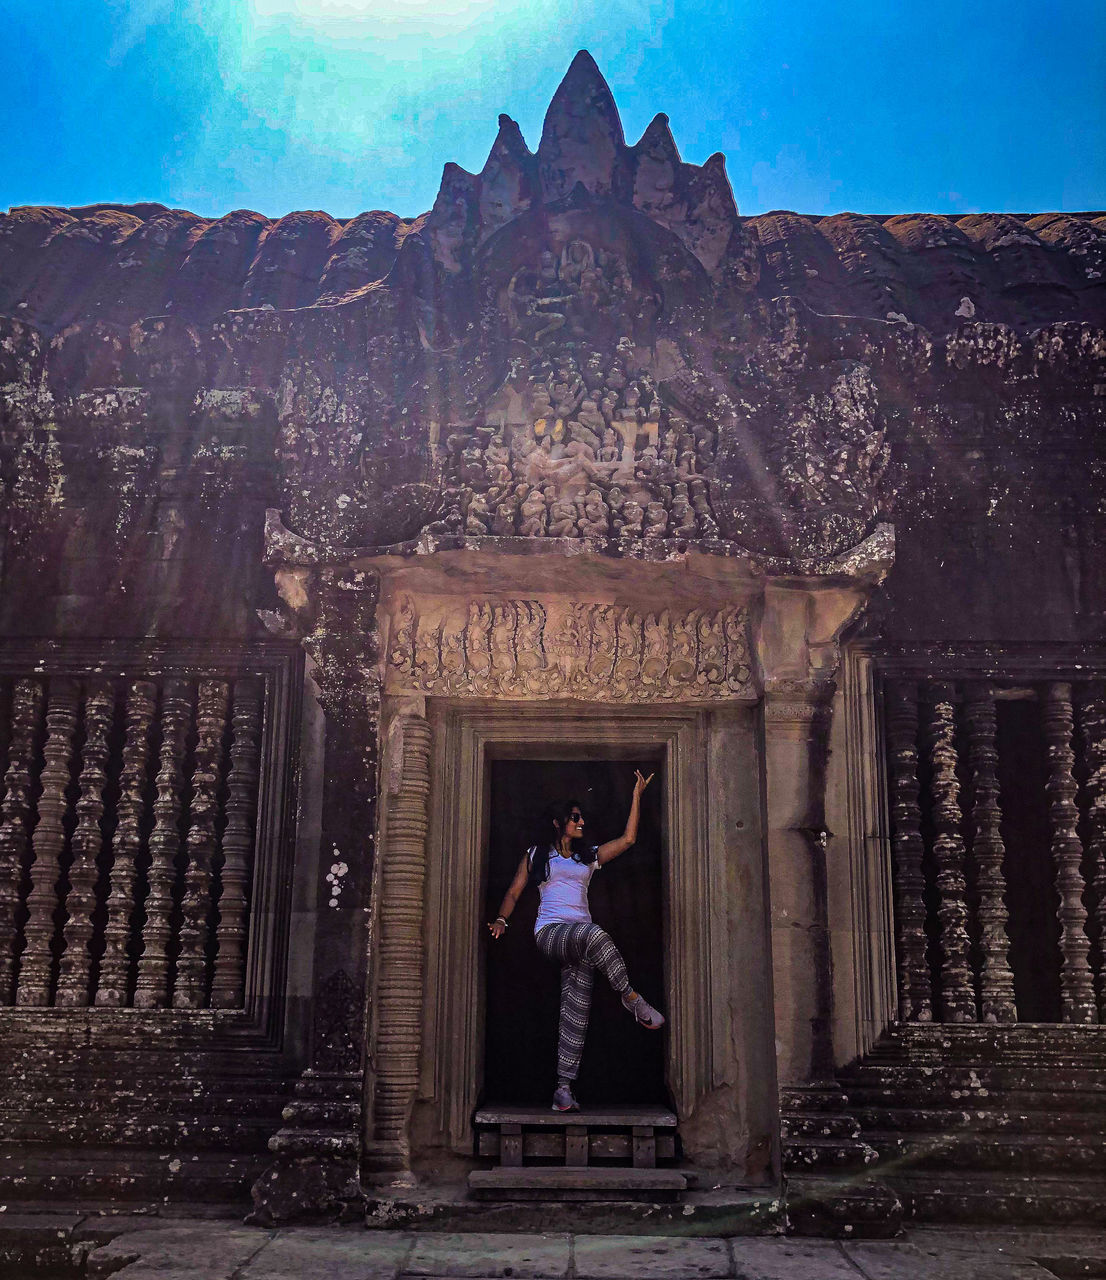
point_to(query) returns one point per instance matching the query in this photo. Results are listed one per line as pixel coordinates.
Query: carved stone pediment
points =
(530, 648)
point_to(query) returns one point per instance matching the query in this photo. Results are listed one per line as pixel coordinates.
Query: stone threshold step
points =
(590, 1117)
(560, 1183)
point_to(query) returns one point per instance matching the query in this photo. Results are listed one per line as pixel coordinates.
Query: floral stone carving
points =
(601, 652)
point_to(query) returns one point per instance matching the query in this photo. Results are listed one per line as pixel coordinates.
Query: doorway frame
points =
(466, 737)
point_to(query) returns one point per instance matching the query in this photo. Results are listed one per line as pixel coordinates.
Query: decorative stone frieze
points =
(601, 652)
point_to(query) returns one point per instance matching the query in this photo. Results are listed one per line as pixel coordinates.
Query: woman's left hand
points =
(641, 783)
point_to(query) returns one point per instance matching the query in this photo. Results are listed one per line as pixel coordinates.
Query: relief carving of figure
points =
(532, 513)
(712, 650)
(477, 636)
(654, 652)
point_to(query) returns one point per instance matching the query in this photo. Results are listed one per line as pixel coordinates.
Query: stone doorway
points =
(622, 1064)
(469, 742)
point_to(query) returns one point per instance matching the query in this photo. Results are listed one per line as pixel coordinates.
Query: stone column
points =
(824, 1159)
(318, 1149)
(401, 946)
(795, 723)
(1077, 995)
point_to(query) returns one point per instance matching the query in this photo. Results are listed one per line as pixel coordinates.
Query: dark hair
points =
(558, 815)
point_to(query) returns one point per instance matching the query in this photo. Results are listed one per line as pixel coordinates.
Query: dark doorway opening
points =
(622, 1062)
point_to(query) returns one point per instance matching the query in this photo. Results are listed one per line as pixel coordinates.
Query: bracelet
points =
(502, 921)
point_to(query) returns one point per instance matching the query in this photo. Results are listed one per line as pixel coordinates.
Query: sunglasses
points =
(576, 816)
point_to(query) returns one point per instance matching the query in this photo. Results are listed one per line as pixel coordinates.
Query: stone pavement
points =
(168, 1248)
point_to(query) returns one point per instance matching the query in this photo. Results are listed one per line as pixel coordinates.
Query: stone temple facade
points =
(318, 534)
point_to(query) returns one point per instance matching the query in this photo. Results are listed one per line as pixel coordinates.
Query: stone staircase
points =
(139, 1127)
(987, 1124)
(608, 1154)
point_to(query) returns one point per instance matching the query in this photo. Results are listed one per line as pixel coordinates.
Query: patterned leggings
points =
(581, 949)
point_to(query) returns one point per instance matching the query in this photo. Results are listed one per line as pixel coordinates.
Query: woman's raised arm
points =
(498, 926)
(614, 847)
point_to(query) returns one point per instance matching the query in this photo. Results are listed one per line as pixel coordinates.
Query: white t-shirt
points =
(563, 895)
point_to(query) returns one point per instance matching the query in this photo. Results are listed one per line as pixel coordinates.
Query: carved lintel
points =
(520, 648)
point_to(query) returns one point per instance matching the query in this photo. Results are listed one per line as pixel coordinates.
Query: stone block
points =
(493, 1255)
(325, 1253)
(214, 1250)
(655, 1258)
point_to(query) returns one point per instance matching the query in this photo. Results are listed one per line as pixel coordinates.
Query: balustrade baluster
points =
(152, 984)
(238, 842)
(87, 841)
(957, 997)
(190, 991)
(115, 967)
(915, 995)
(48, 843)
(15, 817)
(1093, 725)
(1077, 998)
(996, 984)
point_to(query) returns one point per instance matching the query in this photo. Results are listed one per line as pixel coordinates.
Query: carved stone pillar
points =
(915, 993)
(996, 978)
(1077, 998)
(1093, 725)
(48, 842)
(957, 997)
(115, 967)
(87, 838)
(399, 964)
(317, 1150)
(828, 1187)
(152, 983)
(15, 819)
(190, 986)
(241, 809)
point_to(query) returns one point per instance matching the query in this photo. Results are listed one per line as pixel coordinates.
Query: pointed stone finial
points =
(452, 220)
(508, 181)
(582, 139)
(657, 169)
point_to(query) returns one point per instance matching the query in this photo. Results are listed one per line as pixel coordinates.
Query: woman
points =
(564, 930)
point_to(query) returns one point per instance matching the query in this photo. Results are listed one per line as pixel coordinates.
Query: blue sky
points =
(347, 105)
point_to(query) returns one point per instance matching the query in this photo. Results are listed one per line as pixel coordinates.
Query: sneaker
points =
(563, 1099)
(643, 1011)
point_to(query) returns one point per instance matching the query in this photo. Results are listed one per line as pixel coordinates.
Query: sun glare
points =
(338, 11)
